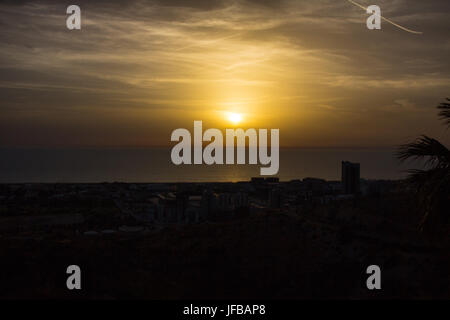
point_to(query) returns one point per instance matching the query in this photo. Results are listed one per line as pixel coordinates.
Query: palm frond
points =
(432, 185)
(429, 178)
(444, 114)
(432, 192)
(432, 151)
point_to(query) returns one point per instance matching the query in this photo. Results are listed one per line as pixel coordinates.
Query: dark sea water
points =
(154, 165)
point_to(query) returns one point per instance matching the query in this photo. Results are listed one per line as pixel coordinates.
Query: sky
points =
(137, 70)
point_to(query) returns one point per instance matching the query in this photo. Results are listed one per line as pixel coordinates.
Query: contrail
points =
(386, 19)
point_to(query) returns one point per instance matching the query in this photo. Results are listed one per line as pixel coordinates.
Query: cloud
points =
(137, 56)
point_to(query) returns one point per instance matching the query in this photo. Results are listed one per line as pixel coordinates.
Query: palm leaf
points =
(432, 185)
(444, 114)
(432, 151)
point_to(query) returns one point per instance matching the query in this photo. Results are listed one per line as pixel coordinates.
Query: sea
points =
(149, 165)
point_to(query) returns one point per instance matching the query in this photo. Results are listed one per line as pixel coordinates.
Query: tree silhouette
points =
(432, 183)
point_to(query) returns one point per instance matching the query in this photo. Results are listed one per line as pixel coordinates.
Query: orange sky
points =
(137, 71)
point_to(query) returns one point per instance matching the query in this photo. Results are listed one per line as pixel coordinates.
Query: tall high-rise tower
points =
(350, 177)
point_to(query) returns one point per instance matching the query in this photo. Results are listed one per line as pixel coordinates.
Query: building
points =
(350, 177)
(275, 198)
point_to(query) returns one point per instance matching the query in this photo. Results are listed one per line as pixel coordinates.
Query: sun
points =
(235, 117)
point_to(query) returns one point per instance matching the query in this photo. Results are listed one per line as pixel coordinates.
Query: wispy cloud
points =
(284, 58)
